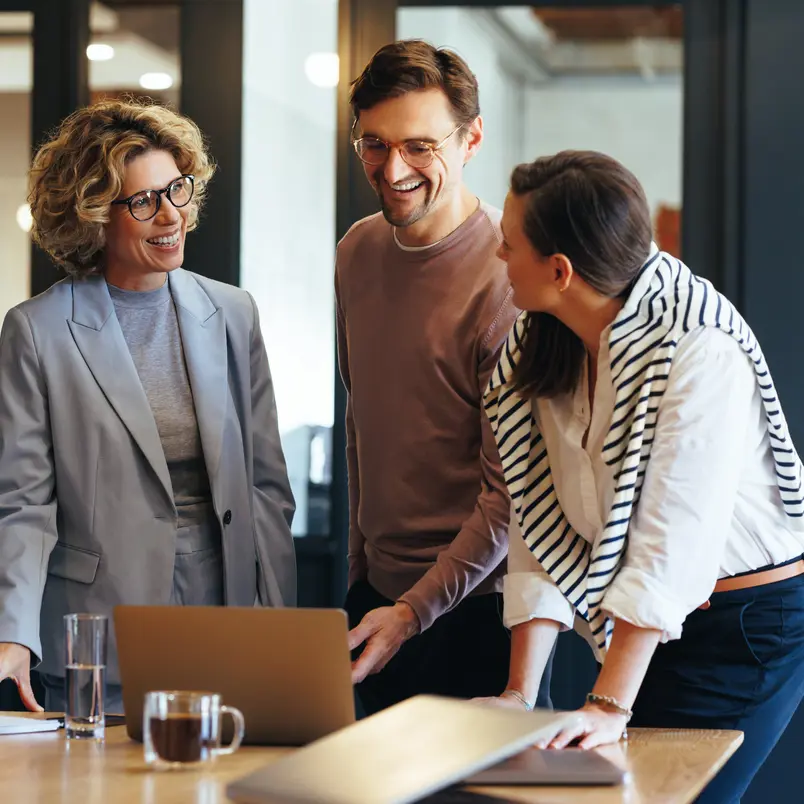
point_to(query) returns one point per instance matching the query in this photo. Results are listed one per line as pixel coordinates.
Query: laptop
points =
(287, 670)
(534, 766)
(400, 755)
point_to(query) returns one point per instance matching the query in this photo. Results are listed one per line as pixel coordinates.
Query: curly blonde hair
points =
(78, 173)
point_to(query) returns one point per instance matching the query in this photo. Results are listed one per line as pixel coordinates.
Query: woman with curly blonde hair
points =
(140, 460)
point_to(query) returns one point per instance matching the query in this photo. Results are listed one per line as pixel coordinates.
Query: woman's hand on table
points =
(15, 663)
(594, 726)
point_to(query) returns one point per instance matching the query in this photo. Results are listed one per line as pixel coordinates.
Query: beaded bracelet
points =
(606, 701)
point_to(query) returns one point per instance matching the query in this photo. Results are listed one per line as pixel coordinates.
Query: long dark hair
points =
(588, 207)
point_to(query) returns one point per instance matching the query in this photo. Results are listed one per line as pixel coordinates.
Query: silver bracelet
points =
(607, 702)
(520, 697)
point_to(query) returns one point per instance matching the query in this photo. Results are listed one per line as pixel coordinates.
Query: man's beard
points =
(411, 217)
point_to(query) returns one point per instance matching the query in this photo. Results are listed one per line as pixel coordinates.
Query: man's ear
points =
(473, 138)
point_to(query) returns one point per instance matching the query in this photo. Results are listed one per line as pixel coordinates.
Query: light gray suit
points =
(87, 519)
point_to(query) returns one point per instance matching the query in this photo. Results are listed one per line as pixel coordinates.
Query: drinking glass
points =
(85, 675)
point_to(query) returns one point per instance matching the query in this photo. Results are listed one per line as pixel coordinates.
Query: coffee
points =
(182, 737)
(183, 727)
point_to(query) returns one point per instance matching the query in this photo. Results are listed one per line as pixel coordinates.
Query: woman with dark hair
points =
(653, 479)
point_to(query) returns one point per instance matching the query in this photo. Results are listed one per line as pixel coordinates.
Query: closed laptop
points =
(399, 755)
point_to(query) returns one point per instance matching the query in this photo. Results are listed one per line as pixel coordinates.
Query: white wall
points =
(501, 95)
(637, 122)
(288, 223)
(288, 220)
(15, 244)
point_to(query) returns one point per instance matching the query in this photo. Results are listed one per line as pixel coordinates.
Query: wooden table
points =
(665, 765)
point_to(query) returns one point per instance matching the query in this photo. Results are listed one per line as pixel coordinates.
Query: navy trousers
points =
(738, 665)
(464, 654)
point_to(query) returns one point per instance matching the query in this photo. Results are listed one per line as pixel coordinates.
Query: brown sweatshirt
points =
(419, 333)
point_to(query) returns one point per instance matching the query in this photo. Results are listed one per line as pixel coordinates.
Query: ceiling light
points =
(99, 52)
(24, 218)
(156, 81)
(322, 69)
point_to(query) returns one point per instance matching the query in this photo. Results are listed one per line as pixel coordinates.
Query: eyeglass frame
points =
(432, 147)
(159, 193)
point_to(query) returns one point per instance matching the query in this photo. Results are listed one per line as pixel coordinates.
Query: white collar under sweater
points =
(667, 301)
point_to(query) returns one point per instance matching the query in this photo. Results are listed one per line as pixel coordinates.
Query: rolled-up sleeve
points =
(679, 529)
(529, 593)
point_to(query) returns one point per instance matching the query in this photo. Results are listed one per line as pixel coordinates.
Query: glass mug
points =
(183, 728)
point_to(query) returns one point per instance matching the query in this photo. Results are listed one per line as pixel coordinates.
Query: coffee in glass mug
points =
(183, 728)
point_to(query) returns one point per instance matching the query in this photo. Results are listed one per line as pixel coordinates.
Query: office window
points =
(607, 78)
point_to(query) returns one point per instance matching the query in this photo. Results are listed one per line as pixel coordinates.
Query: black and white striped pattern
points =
(667, 301)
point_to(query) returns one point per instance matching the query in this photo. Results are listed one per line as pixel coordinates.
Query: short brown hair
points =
(413, 64)
(78, 173)
(590, 208)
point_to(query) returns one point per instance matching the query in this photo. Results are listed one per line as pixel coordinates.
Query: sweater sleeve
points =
(482, 542)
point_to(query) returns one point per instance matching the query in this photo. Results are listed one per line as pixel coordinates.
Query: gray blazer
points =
(87, 519)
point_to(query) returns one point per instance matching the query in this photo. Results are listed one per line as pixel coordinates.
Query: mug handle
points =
(240, 730)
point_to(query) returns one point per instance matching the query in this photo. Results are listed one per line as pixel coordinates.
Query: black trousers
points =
(738, 665)
(464, 654)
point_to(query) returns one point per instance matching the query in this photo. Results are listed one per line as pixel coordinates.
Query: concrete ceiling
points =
(619, 41)
(617, 23)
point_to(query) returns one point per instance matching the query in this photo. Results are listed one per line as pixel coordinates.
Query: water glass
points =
(85, 675)
(183, 728)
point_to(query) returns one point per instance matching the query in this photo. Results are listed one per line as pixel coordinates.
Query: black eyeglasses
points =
(145, 204)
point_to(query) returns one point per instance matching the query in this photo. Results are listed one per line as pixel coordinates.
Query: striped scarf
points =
(666, 302)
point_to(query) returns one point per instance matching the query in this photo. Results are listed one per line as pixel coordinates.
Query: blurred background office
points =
(701, 99)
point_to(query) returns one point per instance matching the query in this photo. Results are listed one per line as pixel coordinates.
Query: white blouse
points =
(710, 506)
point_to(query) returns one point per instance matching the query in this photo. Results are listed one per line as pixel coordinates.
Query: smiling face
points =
(409, 195)
(140, 253)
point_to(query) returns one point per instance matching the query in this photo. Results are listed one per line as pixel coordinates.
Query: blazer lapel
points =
(203, 336)
(100, 340)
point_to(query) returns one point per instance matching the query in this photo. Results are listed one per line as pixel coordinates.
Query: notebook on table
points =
(11, 724)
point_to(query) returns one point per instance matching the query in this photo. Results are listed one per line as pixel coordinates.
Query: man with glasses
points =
(423, 308)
